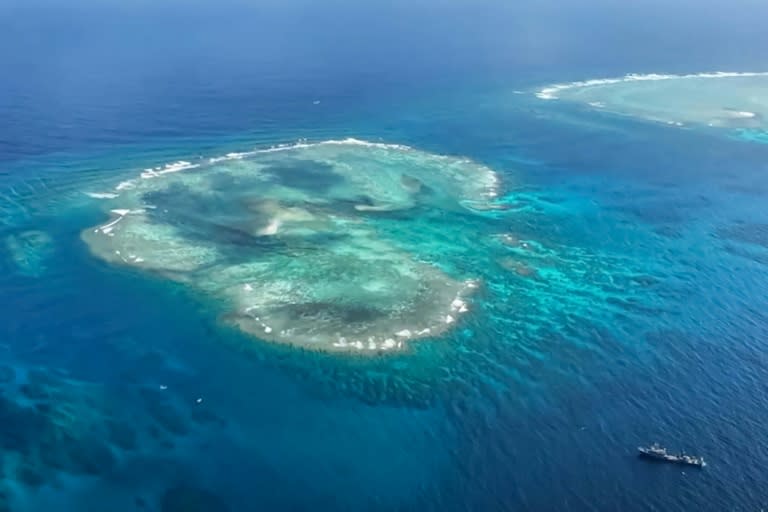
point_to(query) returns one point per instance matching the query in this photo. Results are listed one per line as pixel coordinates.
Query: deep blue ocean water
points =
(645, 319)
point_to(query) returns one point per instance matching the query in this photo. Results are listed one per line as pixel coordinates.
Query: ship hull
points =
(670, 459)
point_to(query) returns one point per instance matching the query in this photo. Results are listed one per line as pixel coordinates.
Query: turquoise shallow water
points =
(621, 298)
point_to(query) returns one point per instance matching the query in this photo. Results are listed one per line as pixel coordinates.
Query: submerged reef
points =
(29, 251)
(47, 426)
(56, 429)
(731, 100)
(287, 239)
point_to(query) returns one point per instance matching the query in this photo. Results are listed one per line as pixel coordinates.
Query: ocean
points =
(611, 263)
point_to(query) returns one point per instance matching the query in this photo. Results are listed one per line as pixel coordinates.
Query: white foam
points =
(102, 195)
(228, 156)
(121, 213)
(271, 229)
(459, 305)
(551, 91)
(350, 141)
(405, 333)
(123, 185)
(107, 228)
(181, 165)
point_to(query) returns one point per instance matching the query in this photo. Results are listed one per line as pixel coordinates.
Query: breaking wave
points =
(550, 92)
(725, 100)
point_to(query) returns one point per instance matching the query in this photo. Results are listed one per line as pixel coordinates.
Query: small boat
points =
(656, 452)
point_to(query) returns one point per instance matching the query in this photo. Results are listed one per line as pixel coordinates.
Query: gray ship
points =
(656, 452)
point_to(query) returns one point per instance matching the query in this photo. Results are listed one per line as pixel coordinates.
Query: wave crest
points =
(550, 92)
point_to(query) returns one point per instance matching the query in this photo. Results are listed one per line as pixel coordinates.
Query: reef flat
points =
(727, 100)
(287, 238)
